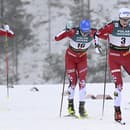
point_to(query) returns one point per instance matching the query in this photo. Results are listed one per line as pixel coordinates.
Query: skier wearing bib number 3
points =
(118, 33)
(80, 38)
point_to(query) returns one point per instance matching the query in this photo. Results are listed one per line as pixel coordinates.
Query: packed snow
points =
(27, 108)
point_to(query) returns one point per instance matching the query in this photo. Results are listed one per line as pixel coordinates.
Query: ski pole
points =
(6, 47)
(13, 55)
(105, 79)
(7, 63)
(62, 97)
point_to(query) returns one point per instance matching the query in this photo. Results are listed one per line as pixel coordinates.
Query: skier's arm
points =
(103, 32)
(64, 34)
(10, 33)
(5, 31)
(61, 35)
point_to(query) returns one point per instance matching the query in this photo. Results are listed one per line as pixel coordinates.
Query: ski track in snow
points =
(39, 110)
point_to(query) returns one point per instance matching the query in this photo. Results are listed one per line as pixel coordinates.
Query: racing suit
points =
(119, 54)
(76, 58)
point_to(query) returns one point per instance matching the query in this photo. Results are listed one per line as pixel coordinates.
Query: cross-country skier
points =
(80, 38)
(5, 31)
(118, 33)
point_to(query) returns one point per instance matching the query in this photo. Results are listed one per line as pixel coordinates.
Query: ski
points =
(76, 116)
(72, 116)
(121, 122)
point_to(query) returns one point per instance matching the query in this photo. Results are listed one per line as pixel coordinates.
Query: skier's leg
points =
(117, 78)
(118, 88)
(71, 91)
(72, 77)
(117, 104)
(82, 73)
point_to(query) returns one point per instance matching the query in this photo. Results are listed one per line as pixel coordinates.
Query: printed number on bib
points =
(81, 45)
(123, 40)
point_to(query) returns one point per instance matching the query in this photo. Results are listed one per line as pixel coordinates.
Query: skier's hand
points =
(98, 49)
(97, 46)
(6, 27)
(69, 25)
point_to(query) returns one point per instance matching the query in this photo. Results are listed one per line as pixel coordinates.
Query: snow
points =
(26, 109)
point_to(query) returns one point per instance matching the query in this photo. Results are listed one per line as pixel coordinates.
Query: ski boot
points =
(117, 114)
(82, 112)
(71, 110)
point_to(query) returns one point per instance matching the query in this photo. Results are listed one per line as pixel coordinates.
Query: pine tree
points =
(13, 13)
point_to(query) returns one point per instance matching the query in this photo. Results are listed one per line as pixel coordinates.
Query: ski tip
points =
(72, 116)
(76, 116)
(121, 122)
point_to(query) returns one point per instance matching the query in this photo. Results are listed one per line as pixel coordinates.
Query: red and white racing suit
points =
(119, 54)
(76, 58)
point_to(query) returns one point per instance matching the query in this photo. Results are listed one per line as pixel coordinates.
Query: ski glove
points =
(6, 27)
(97, 45)
(69, 25)
(98, 48)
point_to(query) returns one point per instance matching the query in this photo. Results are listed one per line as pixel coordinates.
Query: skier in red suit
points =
(80, 38)
(118, 34)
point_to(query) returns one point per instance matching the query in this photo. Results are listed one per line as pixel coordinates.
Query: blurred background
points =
(34, 56)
